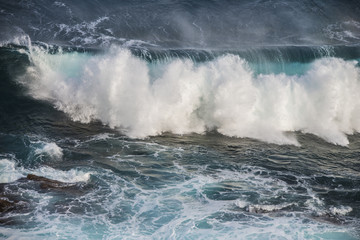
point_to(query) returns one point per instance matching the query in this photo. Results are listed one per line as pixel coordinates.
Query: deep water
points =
(179, 120)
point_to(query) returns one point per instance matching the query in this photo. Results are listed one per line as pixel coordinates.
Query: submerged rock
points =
(6, 205)
(50, 184)
(9, 204)
(47, 183)
(329, 218)
(11, 201)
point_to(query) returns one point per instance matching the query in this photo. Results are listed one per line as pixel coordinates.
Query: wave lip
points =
(182, 96)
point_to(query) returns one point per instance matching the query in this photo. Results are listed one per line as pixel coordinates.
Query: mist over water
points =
(179, 119)
(201, 24)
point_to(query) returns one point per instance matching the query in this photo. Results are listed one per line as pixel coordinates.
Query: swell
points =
(226, 92)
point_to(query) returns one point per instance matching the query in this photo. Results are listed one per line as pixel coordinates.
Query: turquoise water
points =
(179, 119)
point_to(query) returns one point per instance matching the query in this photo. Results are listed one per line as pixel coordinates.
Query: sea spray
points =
(157, 119)
(181, 96)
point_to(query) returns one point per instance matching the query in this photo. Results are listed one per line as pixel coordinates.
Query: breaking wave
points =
(182, 96)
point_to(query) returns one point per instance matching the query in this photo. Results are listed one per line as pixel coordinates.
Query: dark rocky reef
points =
(6, 205)
(47, 183)
(11, 201)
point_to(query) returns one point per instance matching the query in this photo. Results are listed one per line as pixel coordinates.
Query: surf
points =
(226, 93)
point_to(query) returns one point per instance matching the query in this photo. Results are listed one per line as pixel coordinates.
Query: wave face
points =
(182, 96)
(183, 23)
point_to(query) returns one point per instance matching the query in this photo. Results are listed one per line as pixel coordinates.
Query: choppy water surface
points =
(179, 120)
(182, 187)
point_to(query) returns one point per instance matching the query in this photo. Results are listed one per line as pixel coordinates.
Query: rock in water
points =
(6, 205)
(46, 183)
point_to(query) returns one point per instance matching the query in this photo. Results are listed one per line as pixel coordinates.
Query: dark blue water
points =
(179, 120)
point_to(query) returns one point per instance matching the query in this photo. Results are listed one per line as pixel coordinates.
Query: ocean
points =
(178, 119)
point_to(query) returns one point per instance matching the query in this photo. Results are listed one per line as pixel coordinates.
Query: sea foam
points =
(50, 149)
(182, 96)
(9, 172)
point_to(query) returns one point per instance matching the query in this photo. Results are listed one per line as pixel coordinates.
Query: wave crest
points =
(182, 96)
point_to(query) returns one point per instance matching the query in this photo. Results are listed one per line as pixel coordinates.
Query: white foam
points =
(341, 210)
(8, 171)
(59, 4)
(183, 97)
(258, 208)
(70, 176)
(346, 31)
(242, 203)
(101, 136)
(176, 211)
(50, 149)
(86, 33)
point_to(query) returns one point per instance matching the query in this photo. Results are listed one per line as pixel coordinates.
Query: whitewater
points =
(179, 119)
(182, 97)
